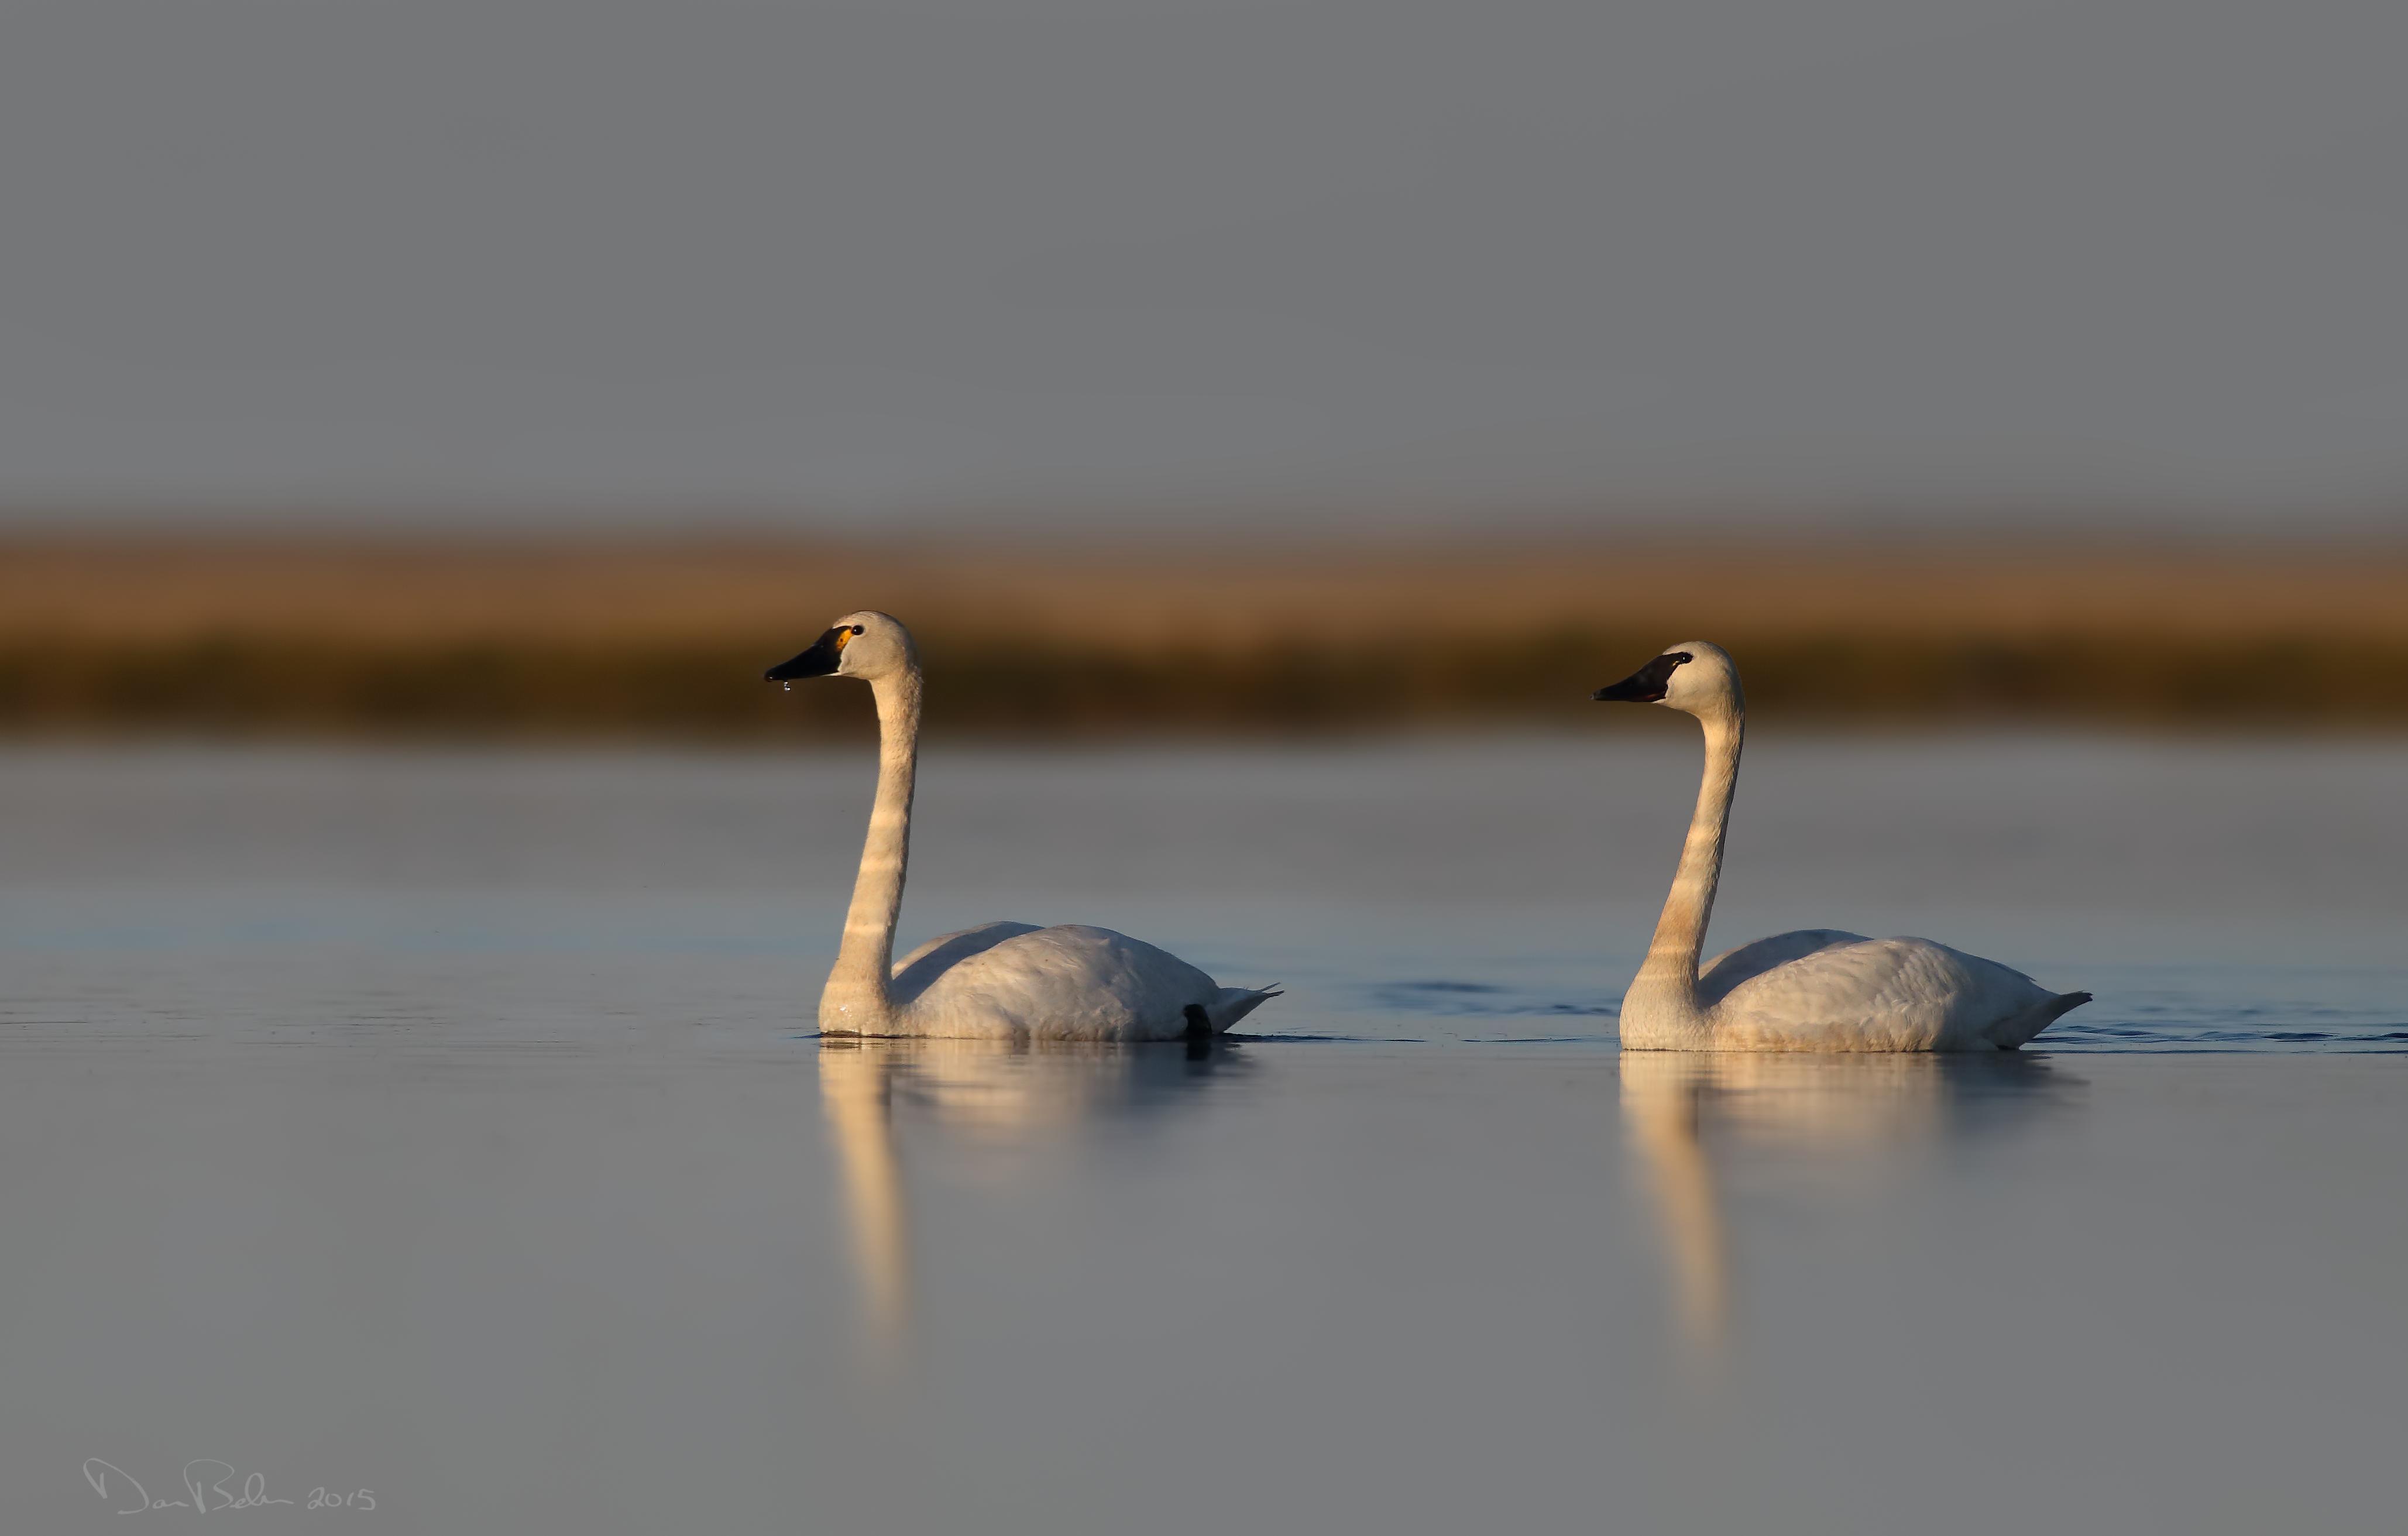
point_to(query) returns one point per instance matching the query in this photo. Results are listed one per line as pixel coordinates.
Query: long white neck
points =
(1668, 980)
(857, 1000)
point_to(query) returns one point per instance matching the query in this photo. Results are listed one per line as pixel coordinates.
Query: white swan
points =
(1814, 990)
(1007, 979)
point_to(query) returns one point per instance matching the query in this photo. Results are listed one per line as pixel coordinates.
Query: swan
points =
(1817, 989)
(999, 980)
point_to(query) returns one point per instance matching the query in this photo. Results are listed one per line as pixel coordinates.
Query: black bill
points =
(1644, 686)
(817, 662)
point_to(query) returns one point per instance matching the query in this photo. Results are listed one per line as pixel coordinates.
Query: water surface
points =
(449, 1126)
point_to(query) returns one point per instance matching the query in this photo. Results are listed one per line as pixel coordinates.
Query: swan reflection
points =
(1861, 1120)
(876, 1091)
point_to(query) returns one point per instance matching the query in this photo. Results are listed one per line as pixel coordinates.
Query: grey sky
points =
(955, 254)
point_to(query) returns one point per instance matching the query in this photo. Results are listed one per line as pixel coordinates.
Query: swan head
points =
(1693, 676)
(868, 645)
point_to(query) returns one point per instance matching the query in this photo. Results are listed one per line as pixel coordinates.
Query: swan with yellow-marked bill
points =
(1816, 989)
(1009, 980)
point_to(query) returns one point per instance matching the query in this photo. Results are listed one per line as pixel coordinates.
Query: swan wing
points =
(1884, 994)
(915, 970)
(1066, 983)
(1717, 976)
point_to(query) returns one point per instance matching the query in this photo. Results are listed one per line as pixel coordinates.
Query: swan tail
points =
(2009, 1033)
(1232, 1003)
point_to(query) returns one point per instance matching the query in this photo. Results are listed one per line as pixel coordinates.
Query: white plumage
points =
(1066, 983)
(999, 980)
(1816, 989)
(1801, 991)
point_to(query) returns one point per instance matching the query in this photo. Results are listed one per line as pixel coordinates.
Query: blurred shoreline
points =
(664, 636)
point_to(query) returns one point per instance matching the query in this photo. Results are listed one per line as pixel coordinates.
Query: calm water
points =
(448, 1127)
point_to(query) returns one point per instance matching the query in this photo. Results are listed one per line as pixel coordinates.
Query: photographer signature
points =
(209, 1486)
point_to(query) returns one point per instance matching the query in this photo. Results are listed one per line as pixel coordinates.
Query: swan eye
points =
(856, 630)
(1676, 657)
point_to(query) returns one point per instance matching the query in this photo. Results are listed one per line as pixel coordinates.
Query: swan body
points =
(1010, 981)
(1816, 989)
(1066, 983)
(1803, 991)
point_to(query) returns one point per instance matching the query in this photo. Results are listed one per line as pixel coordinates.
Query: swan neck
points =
(858, 998)
(1672, 965)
